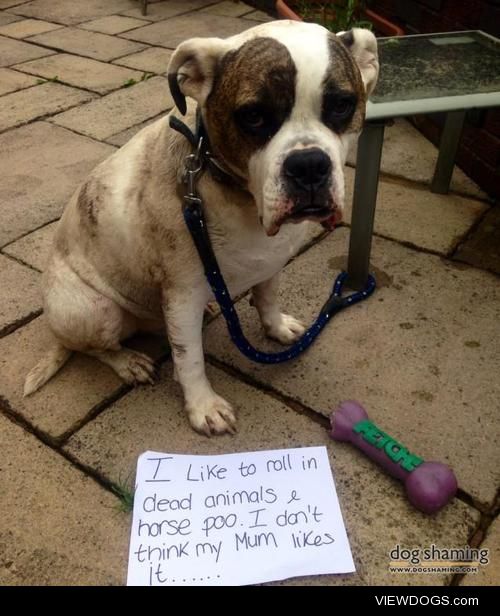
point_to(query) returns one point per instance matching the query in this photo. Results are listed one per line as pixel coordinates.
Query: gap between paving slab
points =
(63, 529)
(376, 513)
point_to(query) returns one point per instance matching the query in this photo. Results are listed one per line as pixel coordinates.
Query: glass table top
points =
(436, 72)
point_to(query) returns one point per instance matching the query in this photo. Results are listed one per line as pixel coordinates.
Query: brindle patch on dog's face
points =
(342, 89)
(252, 95)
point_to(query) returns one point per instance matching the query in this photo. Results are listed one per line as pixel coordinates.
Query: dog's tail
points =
(51, 362)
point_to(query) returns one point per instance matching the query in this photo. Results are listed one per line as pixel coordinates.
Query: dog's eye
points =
(342, 107)
(252, 118)
(255, 120)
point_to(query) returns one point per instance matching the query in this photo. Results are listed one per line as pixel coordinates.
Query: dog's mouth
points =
(327, 215)
(311, 212)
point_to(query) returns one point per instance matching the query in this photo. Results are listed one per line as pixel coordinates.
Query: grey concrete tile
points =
(420, 217)
(20, 295)
(408, 154)
(173, 31)
(488, 575)
(42, 165)
(71, 13)
(421, 354)
(81, 72)
(27, 27)
(482, 247)
(10, 81)
(24, 106)
(113, 24)
(13, 52)
(89, 44)
(166, 9)
(376, 514)
(151, 60)
(120, 110)
(61, 527)
(34, 248)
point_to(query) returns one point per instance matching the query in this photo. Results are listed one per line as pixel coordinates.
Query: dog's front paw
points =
(285, 330)
(213, 415)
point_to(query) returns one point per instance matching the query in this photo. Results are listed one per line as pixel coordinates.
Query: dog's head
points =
(281, 103)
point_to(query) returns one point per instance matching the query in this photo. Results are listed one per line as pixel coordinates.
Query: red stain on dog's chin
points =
(332, 221)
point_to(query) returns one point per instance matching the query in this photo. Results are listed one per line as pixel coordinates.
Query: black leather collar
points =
(217, 170)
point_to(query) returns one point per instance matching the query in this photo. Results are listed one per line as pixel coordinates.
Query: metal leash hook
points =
(193, 166)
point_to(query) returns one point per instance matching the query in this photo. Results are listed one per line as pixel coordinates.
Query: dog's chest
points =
(250, 257)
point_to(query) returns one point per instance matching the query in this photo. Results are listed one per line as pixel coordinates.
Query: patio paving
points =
(78, 80)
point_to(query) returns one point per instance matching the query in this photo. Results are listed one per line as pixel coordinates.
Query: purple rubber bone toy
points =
(429, 485)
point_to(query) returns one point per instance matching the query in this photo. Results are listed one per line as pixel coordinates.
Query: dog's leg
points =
(208, 412)
(277, 325)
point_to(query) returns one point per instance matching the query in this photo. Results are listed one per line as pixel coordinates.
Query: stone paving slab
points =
(42, 165)
(10, 81)
(123, 137)
(34, 248)
(228, 9)
(81, 72)
(173, 31)
(71, 13)
(169, 8)
(422, 355)
(376, 514)
(21, 107)
(28, 27)
(89, 44)
(20, 295)
(488, 575)
(152, 60)
(67, 399)
(258, 16)
(482, 248)
(408, 154)
(419, 217)
(120, 110)
(60, 527)
(7, 18)
(13, 52)
(113, 24)
(6, 4)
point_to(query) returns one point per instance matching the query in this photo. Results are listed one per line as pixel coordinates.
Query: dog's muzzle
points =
(307, 176)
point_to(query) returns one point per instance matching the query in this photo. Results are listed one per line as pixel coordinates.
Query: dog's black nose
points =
(308, 169)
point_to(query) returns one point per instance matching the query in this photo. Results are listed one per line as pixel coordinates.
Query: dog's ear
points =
(191, 69)
(363, 46)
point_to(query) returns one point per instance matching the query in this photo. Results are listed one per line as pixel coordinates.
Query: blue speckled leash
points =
(195, 221)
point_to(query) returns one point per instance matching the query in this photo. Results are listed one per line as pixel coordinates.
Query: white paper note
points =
(235, 519)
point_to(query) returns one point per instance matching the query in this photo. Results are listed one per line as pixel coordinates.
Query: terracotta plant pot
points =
(382, 25)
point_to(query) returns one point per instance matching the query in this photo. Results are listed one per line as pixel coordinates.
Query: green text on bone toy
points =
(394, 450)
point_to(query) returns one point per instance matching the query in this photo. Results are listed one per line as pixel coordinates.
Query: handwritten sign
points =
(235, 519)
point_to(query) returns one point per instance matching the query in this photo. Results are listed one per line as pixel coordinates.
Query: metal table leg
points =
(144, 8)
(363, 203)
(450, 139)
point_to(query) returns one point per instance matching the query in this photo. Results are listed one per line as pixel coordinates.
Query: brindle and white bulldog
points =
(281, 104)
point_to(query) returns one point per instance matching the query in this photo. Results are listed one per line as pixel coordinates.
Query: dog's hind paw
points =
(287, 330)
(212, 416)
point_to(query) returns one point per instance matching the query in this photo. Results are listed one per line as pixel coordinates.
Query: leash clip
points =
(193, 166)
